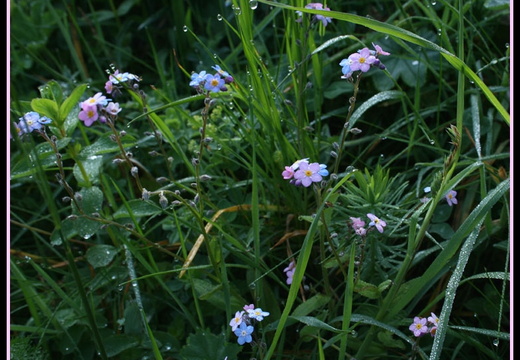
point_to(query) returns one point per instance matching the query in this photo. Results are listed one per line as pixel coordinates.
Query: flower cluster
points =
(359, 225)
(303, 173)
(29, 122)
(96, 108)
(117, 79)
(316, 18)
(362, 60)
(243, 321)
(289, 271)
(421, 326)
(205, 82)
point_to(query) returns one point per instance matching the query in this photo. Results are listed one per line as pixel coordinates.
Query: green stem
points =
(83, 296)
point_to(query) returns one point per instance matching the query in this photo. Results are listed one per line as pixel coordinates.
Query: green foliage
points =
(141, 236)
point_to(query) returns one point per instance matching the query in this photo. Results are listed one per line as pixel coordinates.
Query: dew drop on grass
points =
(185, 28)
(219, 17)
(238, 11)
(434, 3)
(496, 342)
(253, 4)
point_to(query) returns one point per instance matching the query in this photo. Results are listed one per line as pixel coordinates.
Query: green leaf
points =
(487, 332)
(204, 345)
(116, 344)
(133, 324)
(91, 166)
(444, 230)
(387, 339)
(104, 145)
(71, 102)
(314, 303)
(312, 321)
(101, 255)
(379, 97)
(47, 108)
(91, 202)
(138, 208)
(52, 91)
(66, 317)
(368, 290)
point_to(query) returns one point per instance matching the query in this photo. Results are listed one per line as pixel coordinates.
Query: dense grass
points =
(141, 237)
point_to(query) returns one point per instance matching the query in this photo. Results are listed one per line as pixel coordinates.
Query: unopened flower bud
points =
(163, 201)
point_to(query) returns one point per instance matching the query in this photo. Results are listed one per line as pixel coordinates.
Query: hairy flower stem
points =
(126, 158)
(345, 130)
(61, 174)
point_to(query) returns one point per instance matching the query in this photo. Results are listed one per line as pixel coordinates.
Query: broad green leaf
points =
(47, 108)
(101, 255)
(116, 344)
(90, 203)
(367, 290)
(104, 145)
(204, 345)
(87, 172)
(52, 91)
(314, 303)
(138, 208)
(72, 101)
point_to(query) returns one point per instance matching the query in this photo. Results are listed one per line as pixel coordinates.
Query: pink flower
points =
(434, 321)
(451, 197)
(97, 99)
(308, 173)
(418, 327)
(288, 173)
(289, 271)
(236, 321)
(88, 114)
(377, 222)
(361, 60)
(379, 50)
(249, 307)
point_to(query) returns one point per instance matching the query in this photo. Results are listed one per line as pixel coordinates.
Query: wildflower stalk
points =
(61, 175)
(346, 126)
(125, 155)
